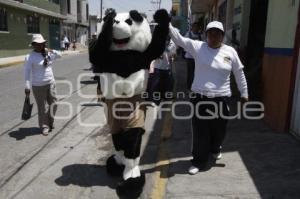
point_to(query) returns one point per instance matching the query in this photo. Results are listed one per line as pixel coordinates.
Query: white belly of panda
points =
(114, 86)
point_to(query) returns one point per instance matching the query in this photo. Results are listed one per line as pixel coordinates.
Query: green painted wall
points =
(281, 24)
(17, 40)
(45, 4)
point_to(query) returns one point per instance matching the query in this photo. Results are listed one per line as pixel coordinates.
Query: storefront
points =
(278, 72)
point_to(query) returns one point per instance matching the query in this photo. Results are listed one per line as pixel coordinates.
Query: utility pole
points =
(159, 4)
(101, 10)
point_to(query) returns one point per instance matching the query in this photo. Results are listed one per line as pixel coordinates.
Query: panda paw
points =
(110, 14)
(162, 17)
(131, 188)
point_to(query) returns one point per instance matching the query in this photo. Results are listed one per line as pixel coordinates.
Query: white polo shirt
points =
(213, 67)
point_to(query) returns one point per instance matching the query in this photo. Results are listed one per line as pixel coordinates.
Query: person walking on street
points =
(66, 42)
(92, 42)
(96, 77)
(38, 74)
(161, 79)
(193, 33)
(214, 62)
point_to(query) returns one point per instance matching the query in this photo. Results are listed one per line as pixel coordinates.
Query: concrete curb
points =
(11, 64)
(19, 60)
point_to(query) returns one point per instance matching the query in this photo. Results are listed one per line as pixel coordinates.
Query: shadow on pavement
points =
(180, 167)
(85, 175)
(87, 69)
(22, 133)
(252, 153)
(88, 82)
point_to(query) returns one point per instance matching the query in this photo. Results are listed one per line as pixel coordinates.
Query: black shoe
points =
(131, 188)
(113, 168)
(202, 166)
(51, 127)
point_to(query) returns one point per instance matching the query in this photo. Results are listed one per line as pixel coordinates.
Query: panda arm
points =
(158, 42)
(159, 36)
(100, 48)
(92, 51)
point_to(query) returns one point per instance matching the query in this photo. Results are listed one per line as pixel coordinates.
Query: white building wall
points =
(83, 12)
(73, 14)
(93, 26)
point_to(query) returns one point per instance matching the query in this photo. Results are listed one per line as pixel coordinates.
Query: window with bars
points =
(3, 20)
(33, 24)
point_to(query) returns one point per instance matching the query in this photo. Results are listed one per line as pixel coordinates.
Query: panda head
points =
(131, 31)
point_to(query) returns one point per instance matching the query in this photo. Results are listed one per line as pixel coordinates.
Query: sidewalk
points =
(256, 163)
(10, 61)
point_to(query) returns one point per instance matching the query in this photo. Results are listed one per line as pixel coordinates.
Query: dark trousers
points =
(161, 82)
(190, 72)
(208, 134)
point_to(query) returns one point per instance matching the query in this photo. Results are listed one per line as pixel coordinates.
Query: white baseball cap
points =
(215, 24)
(38, 38)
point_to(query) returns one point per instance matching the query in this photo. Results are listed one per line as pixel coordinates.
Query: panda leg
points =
(133, 180)
(114, 164)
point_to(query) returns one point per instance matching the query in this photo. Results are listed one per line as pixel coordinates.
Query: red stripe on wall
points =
(276, 81)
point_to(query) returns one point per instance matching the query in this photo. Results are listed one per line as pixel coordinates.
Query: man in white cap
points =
(39, 75)
(214, 62)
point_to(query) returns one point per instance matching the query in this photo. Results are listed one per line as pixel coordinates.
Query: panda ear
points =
(136, 16)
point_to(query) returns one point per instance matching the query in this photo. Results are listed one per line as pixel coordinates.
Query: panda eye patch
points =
(128, 21)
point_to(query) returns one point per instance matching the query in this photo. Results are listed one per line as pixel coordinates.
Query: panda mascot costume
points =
(121, 56)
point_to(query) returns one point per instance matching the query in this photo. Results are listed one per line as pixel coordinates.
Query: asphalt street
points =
(35, 166)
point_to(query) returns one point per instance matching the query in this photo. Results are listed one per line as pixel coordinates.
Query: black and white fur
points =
(124, 51)
(122, 55)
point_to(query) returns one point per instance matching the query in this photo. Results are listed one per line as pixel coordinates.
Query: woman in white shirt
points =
(38, 74)
(214, 62)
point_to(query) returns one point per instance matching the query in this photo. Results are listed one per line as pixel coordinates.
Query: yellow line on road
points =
(163, 160)
(162, 165)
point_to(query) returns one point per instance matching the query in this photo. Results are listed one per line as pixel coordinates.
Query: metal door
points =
(54, 35)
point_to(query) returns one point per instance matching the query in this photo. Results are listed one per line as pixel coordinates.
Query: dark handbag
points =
(27, 108)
